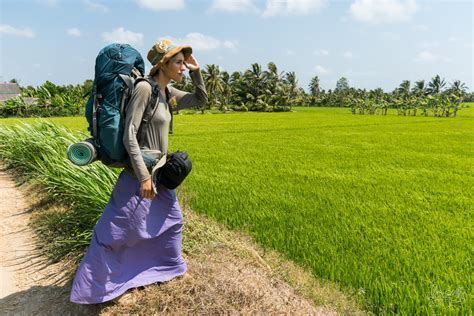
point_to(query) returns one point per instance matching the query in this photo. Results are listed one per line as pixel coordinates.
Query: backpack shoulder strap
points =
(150, 108)
(126, 92)
(168, 97)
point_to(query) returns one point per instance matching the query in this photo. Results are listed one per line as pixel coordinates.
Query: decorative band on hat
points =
(156, 58)
(160, 55)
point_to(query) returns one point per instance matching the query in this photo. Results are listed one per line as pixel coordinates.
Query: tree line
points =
(48, 100)
(258, 89)
(433, 98)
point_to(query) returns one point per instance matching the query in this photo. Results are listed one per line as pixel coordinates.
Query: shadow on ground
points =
(44, 300)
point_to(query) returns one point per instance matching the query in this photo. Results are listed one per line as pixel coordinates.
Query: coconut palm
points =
(419, 88)
(272, 72)
(404, 88)
(314, 86)
(254, 84)
(458, 88)
(436, 85)
(227, 92)
(214, 83)
(292, 84)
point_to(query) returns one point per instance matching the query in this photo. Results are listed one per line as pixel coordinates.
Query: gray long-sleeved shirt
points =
(155, 137)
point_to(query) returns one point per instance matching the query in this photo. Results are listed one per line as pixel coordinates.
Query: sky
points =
(373, 43)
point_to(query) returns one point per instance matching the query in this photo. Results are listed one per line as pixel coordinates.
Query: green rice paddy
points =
(381, 204)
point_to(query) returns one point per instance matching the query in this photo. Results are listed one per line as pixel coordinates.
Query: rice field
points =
(383, 205)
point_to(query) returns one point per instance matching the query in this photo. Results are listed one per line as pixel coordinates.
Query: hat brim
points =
(186, 50)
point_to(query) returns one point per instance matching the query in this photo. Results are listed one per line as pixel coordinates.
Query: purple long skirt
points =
(136, 242)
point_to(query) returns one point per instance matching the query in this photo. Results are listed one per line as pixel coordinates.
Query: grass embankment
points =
(380, 204)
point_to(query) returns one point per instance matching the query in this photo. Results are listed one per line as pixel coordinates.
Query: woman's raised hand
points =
(191, 63)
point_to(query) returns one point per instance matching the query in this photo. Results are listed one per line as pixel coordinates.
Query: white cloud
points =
(120, 35)
(297, 7)
(320, 70)
(429, 57)
(93, 6)
(426, 56)
(73, 32)
(426, 45)
(6, 29)
(321, 52)
(233, 6)
(161, 5)
(230, 44)
(383, 11)
(290, 52)
(421, 28)
(347, 55)
(201, 42)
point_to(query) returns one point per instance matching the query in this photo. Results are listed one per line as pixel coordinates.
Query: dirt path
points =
(28, 284)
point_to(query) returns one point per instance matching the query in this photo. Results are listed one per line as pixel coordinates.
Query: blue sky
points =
(374, 43)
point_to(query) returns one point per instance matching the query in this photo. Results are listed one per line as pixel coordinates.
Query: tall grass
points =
(383, 205)
(38, 153)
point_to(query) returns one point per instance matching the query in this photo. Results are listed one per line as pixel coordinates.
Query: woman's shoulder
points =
(143, 86)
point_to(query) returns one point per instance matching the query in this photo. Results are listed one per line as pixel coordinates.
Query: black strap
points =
(95, 113)
(152, 106)
(168, 97)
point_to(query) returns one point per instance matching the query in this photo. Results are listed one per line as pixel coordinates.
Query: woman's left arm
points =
(198, 98)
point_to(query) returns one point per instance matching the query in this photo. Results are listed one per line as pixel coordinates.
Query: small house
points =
(9, 90)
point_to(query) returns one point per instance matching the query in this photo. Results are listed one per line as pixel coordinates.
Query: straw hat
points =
(162, 51)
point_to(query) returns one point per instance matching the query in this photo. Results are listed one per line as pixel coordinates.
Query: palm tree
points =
(257, 76)
(436, 85)
(419, 88)
(254, 84)
(342, 86)
(272, 72)
(227, 92)
(458, 88)
(404, 88)
(214, 83)
(292, 84)
(314, 86)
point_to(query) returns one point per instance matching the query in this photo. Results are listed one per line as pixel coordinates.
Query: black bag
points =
(174, 171)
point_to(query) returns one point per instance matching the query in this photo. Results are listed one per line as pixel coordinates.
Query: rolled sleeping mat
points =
(82, 153)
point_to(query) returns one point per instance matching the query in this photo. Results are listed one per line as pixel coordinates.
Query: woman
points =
(137, 241)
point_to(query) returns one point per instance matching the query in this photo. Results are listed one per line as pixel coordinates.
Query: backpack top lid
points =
(116, 59)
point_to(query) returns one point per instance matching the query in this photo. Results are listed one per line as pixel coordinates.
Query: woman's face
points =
(175, 67)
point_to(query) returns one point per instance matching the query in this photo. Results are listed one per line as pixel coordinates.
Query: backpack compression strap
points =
(95, 107)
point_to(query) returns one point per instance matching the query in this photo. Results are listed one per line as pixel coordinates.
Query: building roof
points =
(9, 90)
